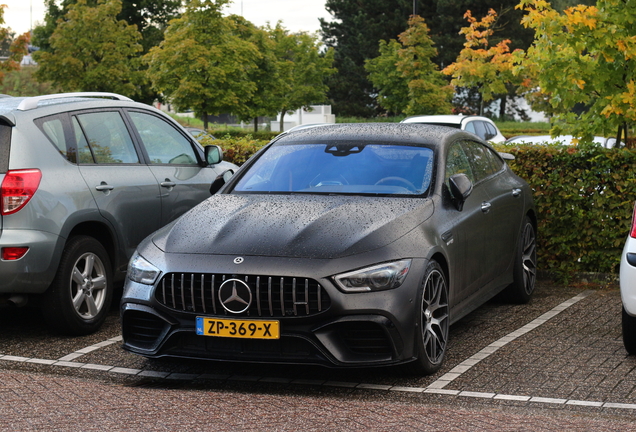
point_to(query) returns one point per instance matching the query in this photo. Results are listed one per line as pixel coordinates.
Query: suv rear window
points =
(5, 143)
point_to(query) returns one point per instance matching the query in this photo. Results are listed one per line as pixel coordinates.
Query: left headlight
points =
(379, 277)
(141, 271)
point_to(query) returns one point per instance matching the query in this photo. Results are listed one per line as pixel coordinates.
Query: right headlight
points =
(141, 271)
(378, 277)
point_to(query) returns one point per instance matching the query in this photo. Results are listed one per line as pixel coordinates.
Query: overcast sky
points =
(296, 15)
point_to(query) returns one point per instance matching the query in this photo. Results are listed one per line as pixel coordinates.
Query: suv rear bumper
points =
(33, 273)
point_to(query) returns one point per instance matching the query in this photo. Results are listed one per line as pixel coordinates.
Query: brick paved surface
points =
(570, 372)
(35, 402)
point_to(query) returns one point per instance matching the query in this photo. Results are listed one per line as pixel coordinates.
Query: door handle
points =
(516, 192)
(168, 184)
(485, 207)
(104, 187)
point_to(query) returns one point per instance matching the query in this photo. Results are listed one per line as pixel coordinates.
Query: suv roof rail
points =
(32, 102)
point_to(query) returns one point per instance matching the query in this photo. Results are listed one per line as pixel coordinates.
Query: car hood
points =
(295, 226)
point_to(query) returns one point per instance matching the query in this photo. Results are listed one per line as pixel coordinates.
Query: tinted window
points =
(164, 144)
(491, 132)
(457, 163)
(107, 137)
(481, 160)
(480, 129)
(5, 142)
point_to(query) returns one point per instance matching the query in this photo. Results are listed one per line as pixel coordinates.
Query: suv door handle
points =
(103, 187)
(516, 192)
(168, 184)
(485, 207)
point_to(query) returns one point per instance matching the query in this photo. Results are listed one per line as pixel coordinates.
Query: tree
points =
(393, 90)
(479, 65)
(15, 48)
(303, 70)
(203, 63)
(93, 51)
(150, 16)
(584, 60)
(405, 71)
(354, 35)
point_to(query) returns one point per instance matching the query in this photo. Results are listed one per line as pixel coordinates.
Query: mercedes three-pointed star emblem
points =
(235, 296)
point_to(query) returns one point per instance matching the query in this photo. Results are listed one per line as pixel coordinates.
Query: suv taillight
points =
(632, 233)
(17, 189)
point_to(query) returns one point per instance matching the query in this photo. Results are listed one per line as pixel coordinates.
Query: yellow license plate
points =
(249, 329)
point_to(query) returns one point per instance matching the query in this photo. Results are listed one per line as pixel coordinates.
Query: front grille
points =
(273, 296)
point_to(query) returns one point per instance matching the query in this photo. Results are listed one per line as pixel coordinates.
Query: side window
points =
(480, 159)
(53, 128)
(164, 144)
(470, 127)
(84, 155)
(480, 129)
(457, 162)
(107, 136)
(491, 132)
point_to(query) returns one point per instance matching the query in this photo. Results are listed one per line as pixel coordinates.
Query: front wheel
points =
(79, 298)
(433, 322)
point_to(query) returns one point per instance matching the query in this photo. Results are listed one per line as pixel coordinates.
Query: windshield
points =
(352, 168)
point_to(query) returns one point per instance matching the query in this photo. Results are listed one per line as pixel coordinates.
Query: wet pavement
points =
(555, 363)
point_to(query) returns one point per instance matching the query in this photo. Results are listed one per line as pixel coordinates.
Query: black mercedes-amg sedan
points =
(343, 245)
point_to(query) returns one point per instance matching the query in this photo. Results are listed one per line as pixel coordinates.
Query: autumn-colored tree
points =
(203, 63)
(584, 60)
(17, 48)
(487, 68)
(405, 70)
(91, 50)
(302, 68)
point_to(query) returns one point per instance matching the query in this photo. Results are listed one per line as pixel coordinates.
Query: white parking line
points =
(91, 348)
(435, 388)
(464, 366)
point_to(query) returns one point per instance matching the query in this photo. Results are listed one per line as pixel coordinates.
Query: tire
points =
(433, 322)
(629, 332)
(525, 266)
(79, 298)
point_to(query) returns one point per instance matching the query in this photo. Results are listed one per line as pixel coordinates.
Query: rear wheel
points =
(79, 298)
(525, 266)
(629, 332)
(433, 322)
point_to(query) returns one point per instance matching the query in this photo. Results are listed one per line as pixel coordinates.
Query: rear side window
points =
(5, 143)
(483, 161)
(54, 129)
(106, 136)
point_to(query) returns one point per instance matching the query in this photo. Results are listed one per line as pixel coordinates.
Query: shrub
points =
(584, 198)
(237, 149)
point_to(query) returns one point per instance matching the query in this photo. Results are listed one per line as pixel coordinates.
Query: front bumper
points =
(361, 329)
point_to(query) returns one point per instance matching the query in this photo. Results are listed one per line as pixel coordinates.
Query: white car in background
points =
(558, 140)
(628, 289)
(483, 127)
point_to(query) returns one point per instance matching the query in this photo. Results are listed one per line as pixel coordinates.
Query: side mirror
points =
(506, 156)
(213, 154)
(220, 180)
(461, 187)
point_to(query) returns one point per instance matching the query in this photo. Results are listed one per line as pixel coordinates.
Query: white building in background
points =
(315, 114)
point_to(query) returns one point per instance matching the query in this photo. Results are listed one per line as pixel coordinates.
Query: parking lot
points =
(555, 363)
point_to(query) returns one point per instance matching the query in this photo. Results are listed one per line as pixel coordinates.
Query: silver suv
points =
(84, 177)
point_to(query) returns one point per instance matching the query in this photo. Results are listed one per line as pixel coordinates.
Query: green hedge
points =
(584, 198)
(237, 149)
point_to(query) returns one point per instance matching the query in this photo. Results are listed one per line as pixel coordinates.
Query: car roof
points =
(450, 119)
(425, 134)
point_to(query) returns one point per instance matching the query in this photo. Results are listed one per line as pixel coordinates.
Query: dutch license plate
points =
(233, 328)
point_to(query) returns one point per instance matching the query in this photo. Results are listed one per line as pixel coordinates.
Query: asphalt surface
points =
(557, 363)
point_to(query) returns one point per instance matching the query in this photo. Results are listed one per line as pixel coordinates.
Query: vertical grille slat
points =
(273, 296)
